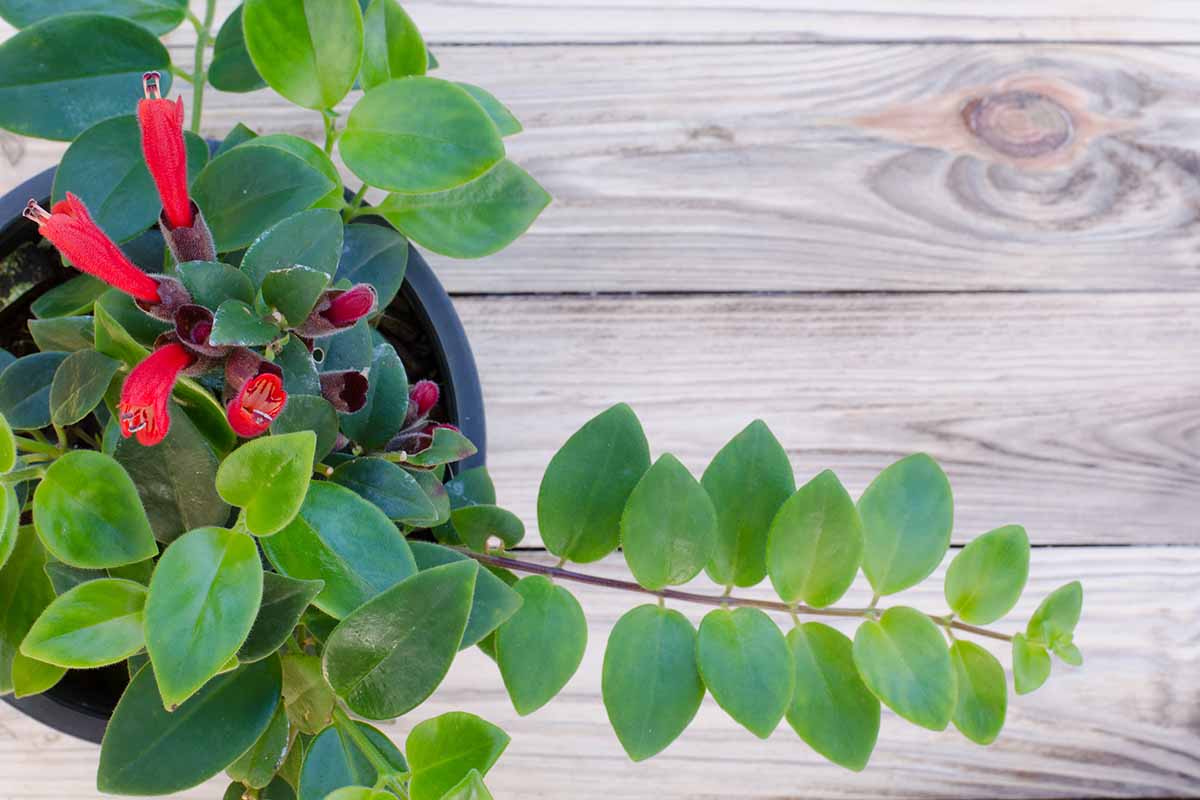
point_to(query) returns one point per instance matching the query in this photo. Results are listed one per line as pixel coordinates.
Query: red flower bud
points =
(145, 393)
(339, 309)
(161, 122)
(258, 404)
(422, 397)
(70, 227)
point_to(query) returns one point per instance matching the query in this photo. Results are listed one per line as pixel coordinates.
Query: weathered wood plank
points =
(813, 168)
(1123, 725)
(1073, 414)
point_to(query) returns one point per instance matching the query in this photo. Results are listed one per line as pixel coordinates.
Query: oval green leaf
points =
(374, 254)
(268, 477)
(745, 663)
(294, 291)
(24, 592)
(314, 156)
(312, 239)
(8, 448)
(30, 676)
(982, 692)
(477, 524)
(1031, 664)
(668, 527)
(334, 761)
(506, 121)
(256, 767)
(79, 385)
(25, 390)
(231, 69)
(238, 325)
(986, 578)
(211, 283)
(904, 661)
(442, 751)
(307, 50)
(1055, 619)
(74, 296)
(10, 521)
(306, 412)
(389, 487)
(470, 788)
(493, 601)
(94, 624)
(381, 418)
(62, 334)
(393, 46)
(157, 16)
(284, 600)
(542, 645)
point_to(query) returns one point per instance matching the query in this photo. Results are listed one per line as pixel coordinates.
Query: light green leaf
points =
(652, 688)
(10, 521)
(907, 514)
(231, 69)
(256, 767)
(470, 788)
(237, 324)
(985, 580)
(94, 624)
(587, 483)
(307, 50)
(315, 157)
(493, 601)
(668, 527)
(8, 449)
(79, 385)
(506, 122)
(815, 543)
(74, 296)
(24, 592)
(306, 693)
(1055, 619)
(30, 677)
(477, 524)
(334, 761)
(268, 477)
(311, 238)
(444, 750)
(294, 291)
(745, 663)
(1031, 664)
(982, 692)
(25, 390)
(904, 661)
(748, 480)
(541, 646)
(448, 446)
(393, 47)
(203, 599)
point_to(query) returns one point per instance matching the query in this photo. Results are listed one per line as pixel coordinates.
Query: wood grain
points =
(1073, 414)
(816, 168)
(1123, 725)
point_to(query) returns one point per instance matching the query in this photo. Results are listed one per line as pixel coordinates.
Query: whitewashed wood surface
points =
(777, 209)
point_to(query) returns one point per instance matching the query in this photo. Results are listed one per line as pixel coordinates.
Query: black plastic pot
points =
(82, 702)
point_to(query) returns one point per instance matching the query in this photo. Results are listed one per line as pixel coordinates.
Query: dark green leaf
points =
(148, 750)
(652, 688)
(157, 16)
(374, 254)
(419, 134)
(299, 371)
(294, 291)
(79, 385)
(309, 413)
(284, 599)
(204, 596)
(345, 541)
(311, 239)
(64, 577)
(75, 296)
(350, 349)
(982, 692)
(231, 69)
(474, 219)
(94, 624)
(238, 135)
(47, 68)
(1031, 664)
(506, 123)
(307, 50)
(668, 528)
(334, 761)
(907, 514)
(315, 157)
(479, 523)
(904, 661)
(393, 46)
(395, 491)
(140, 325)
(87, 513)
(431, 484)
(25, 390)
(447, 447)
(112, 340)
(542, 645)
(24, 592)
(387, 657)
(256, 767)
(986, 578)
(442, 751)
(237, 324)
(586, 485)
(745, 663)
(832, 709)
(493, 601)
(373, 425)
(212, 283)
(815, 543)
(268, 478)
(62, 334)
(747, 480)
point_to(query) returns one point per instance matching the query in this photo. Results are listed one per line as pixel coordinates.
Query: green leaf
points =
(203, 600)
(79, 385)
(231, 69)
(112, 340)
(374, 254)
(148, 750)
(393, 46)
(24, 592)
(64, 577)
(986, 578)
(1031, 664)
(748, 480)
(479, 523)
(831, 710)
(248, 189)
(541, 646)
(815, 543)
(10, 520)
(374, 425)
(8, 449)
(105, 167)
(268, 477)
(30, 677)
(299, 371)
(444, 750)
(359, 793)
(284, 599)
(306, 693)
(157, 16)
(294, 291)
(334, 761)
(238, 135)
(237, 324)
(314, 156)
(289, 770)
(469, 788)
(745, 663)
(207, 414)
(137, 323)
(395, 491)
(447, 447)
(387, 657)
(46, 69)
(982, 692)
(25, 390)
(307, 50)
(309, 413)
(212, 283)
(474, 219)
(62, 334)
(350, 349)
(256, 767)
(345, 541)
(94, 624)
(505, 121)
(1055, 619)
(419, 134)
(908, 516)
(652, 688)
(87, 513)
(904, 661)
(668, 527)
(311, 239)
(431, 484)
(175, 479)
(491, 605)
(587, 483)
(74, 296)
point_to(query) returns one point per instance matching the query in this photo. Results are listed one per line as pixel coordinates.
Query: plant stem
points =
(351, 731)
(708, 599)
(22, 475)
(330, 131)
(199, 78)
(349, 212)
(34, 446)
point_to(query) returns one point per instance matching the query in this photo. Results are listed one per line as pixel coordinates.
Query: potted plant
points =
(225, 500)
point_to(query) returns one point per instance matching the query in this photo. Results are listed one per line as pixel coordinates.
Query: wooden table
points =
(970, 229)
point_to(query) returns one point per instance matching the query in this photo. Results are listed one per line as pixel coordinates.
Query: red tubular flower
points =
(146, 391)
(161, 122)
(423, 397)
(256, 405)
(70, 227)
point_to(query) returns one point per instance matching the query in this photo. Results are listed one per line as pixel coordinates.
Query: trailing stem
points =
(198, 76)
(713, 600)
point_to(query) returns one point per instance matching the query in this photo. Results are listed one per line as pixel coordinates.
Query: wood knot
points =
(1020, 124)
